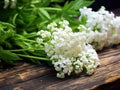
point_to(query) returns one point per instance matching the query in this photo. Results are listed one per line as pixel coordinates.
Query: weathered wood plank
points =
(49, 82)
(32, 77)
(24, 75)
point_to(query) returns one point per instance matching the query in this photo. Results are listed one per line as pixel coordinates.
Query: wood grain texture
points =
(34, 77)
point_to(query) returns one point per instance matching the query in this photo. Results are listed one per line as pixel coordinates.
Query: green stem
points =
(20, 37)
(29, 40)
(34, 57)
(14, 18)
(47, 8)
(51, 9)
(18, 50)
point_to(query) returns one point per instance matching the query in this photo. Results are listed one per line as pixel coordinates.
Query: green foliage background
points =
(18, 26)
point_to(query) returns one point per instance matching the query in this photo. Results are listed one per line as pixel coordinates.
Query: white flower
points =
(12, 3)
(39, 40)
(69, 50)
(44, 34)
(51, 26)
(64, 23)
(6, 3)
(104, 27)
(89, 69)
(49, 49)
(61, 75)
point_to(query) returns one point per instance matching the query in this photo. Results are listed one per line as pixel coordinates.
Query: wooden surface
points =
(32, 77)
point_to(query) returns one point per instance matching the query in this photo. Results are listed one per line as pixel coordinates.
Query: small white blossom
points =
(39, 40)
(51, 26)
(12, 3)
(6, 3)
(64, 23)
(61, 75)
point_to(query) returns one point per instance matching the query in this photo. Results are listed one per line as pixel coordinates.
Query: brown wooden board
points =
(34, 77)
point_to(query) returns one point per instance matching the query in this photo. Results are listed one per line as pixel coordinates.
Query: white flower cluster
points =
(68, 50)
(103, 27)
(43, 36)
(12, 3)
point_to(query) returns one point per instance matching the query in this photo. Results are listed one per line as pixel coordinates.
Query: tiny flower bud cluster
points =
(43, 35)
(104, 27)
(68, 50)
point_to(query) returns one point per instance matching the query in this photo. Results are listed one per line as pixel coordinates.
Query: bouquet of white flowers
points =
(68, 50)
(103, 27)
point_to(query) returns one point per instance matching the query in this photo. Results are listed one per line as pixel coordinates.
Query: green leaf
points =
(71, 8)
(44, 13)
(40, 3)
(6, 32)
(8, 56)
(77, 4)
(83, 20)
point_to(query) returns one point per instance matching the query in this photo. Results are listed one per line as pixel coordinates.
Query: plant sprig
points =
(18, 26)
